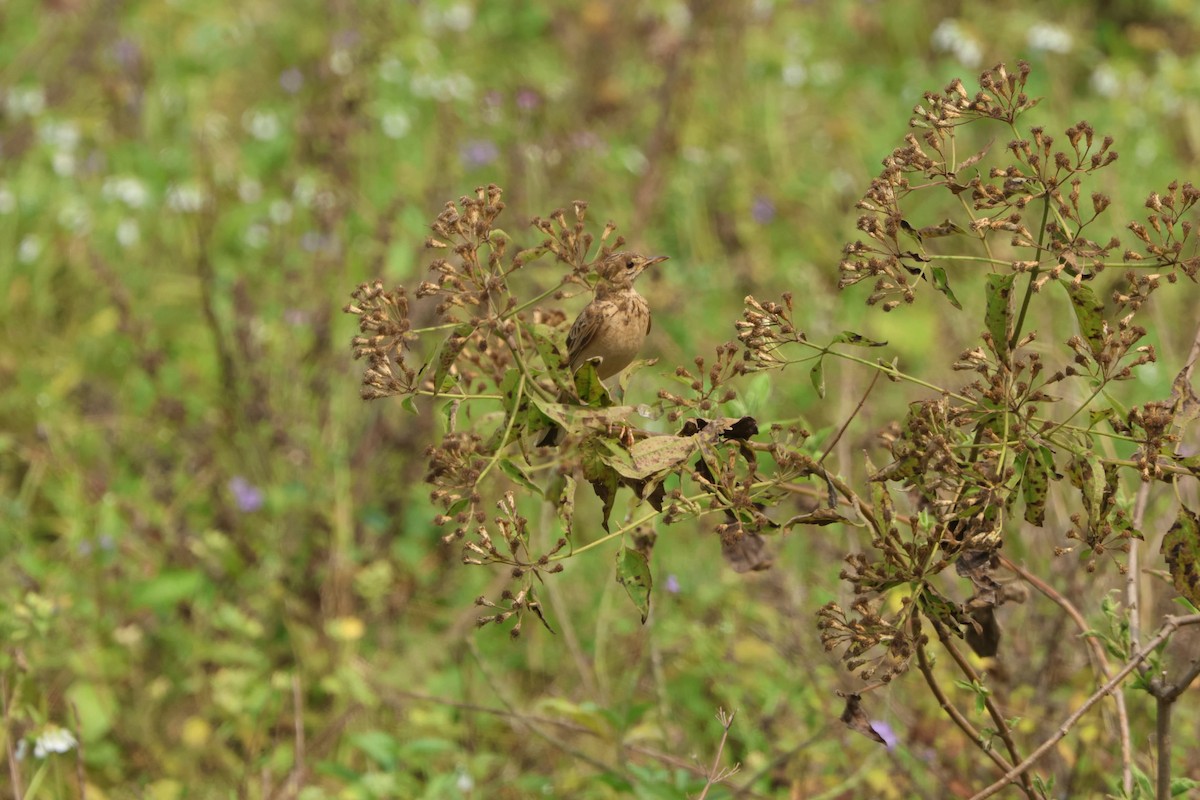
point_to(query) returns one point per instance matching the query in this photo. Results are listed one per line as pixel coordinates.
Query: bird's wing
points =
(587, 324)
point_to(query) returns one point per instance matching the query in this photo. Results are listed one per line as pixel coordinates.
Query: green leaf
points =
(856, 339)
(1089, 313)
(756, 395)
(448, 353)
(168, 588)
(631, 370)
(458, 506)
(998, 316)
(551, 346)
(1035, 486)
(817, 376)
(1089, 481)
(633, 572)
(514, 471)
(564, 504)
(590, 388)
(378, 746)
(1182, 785)
(942, 284)
(95, 706)
(1181, 546)
(409, 404)
(604, 479)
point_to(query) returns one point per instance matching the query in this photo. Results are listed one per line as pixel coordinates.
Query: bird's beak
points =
(656, 260)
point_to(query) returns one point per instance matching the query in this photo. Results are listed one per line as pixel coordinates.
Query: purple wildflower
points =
(672, 584)
(762, 210)
(886, 732)
(528, 99)
(477, 153)
(247, 496)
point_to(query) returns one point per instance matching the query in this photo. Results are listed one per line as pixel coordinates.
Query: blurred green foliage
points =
(216, 563)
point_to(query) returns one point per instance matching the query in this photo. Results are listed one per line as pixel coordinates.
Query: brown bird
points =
(613, 327)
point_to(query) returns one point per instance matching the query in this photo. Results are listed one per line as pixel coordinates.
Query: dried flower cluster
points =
(489, 344)
(974, 462)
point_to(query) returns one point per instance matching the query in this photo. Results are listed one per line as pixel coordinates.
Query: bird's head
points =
(621, 269)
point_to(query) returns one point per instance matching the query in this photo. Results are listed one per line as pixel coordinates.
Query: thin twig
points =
(962, 722)
(715, 773)
(1099, 657)
(1171, 625)
(1162, 733)
(994, 711)
(1132, 575)
(536, 730)
(837, 436)
(393, 695)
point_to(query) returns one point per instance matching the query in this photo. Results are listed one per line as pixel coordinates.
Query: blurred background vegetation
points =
(217, 567)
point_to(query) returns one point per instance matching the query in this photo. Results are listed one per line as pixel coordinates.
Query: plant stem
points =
(1162, 731)
(1016, 334)
(1171, 625)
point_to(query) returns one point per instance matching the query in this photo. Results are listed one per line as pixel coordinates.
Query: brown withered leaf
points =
(820, 516)
(983, 632)
(944, 228)
(660, 453)
(744, 551)
(1184, 401)
(728, 427)
(856, 719)
(972, 160)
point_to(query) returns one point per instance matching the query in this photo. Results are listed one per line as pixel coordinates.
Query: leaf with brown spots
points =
(1181, 546)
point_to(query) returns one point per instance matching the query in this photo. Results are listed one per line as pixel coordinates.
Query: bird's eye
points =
(630, 264)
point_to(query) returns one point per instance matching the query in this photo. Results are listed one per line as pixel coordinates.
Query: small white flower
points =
(304, 191)
(53, 740)
(29, 249)
(341, 63)
(794, 74)
(8, 200)
(257, 236)
(185, 198)
(280, 212)
(59, 135)
(249, 190)
(128, 233)
(125, 189)
(458, 86)
(1105, 81)
(27, 101)
(423, 85)
(458, 17)
(74, 216)
(1049, 38)
(951, 37)
(22, 749)
(678, 16)
(63, 164)
(396, 124)
(262, 125)
(464, 782)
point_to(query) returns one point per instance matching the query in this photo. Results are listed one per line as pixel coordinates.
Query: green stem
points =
(512, 418)
(624, 529)
(1016, 334)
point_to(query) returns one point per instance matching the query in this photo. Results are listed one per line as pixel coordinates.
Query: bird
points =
(611, 329)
